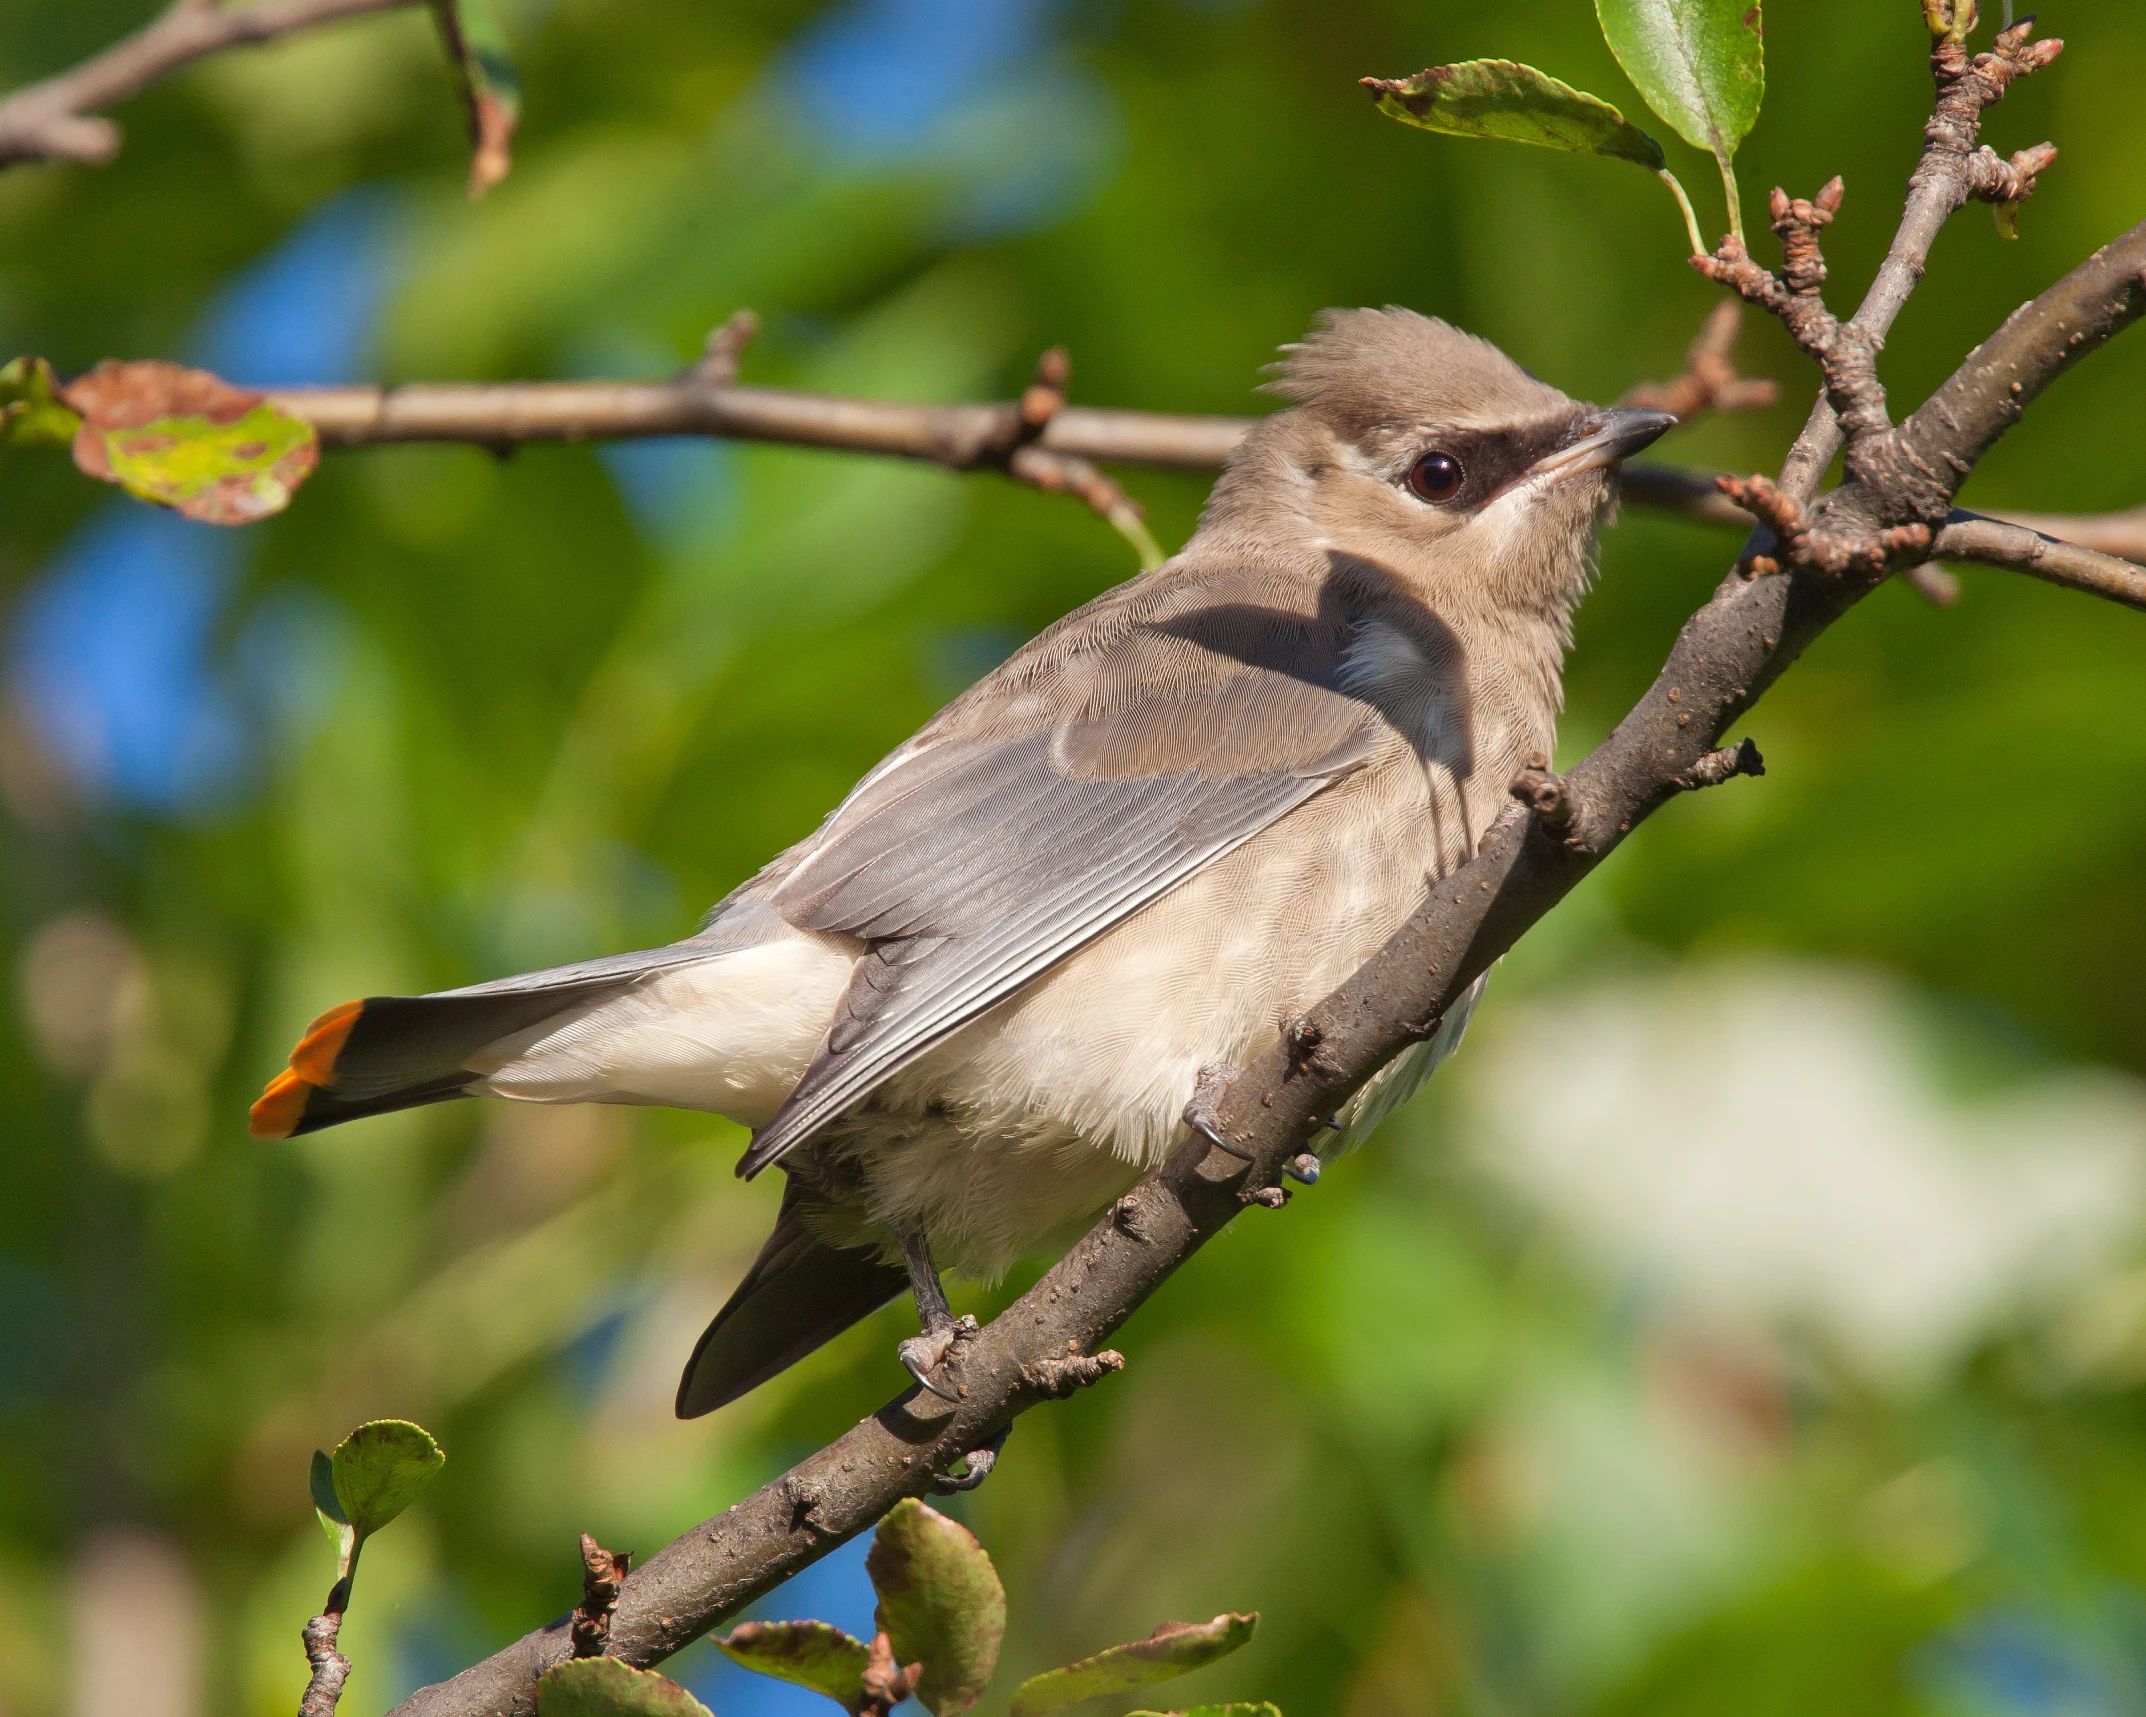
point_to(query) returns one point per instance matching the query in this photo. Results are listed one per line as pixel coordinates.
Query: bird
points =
(977, 1003)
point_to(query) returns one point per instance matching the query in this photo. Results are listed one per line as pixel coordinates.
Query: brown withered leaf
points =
(189, 440)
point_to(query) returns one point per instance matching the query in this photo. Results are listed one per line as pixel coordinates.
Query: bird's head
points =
(1429, 451)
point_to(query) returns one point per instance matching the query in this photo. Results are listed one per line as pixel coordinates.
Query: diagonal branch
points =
(1726, 656)
(59, 118)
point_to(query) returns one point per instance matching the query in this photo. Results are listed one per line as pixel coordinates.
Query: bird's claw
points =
(1201, 1115)
(1303, 1168)
(980, 1462)
(921, 1355)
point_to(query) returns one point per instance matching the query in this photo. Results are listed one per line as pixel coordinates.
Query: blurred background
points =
(1752, 1318)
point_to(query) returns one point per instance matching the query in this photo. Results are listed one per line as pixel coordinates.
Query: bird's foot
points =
(921, 1355)
(977, 1465)
(1201, 1115)
(1303, 1168)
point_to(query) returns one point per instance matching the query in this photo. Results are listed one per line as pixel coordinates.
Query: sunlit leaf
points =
(328, 1507)
(374, 1474)
(605, 1687)
(1174, 1649)
(487, 83)
(1501, 98)
(189, 440)
(31, 414)
(1700, 64)
(817, 1655)
(379, 1469)
(944, 1605)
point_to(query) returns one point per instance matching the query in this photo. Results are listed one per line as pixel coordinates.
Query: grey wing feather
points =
(799, 1294)
(1004, 867)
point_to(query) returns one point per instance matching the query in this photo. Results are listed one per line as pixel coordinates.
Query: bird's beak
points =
(1604, 439)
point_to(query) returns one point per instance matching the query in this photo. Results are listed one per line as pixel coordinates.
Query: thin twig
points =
(502, 414)
(1939, 186)
(58, 119)
(2122, 534)
(330, 1667)
(1697, 495)
(1709, 381)
(1026, 460)
(1995, 542)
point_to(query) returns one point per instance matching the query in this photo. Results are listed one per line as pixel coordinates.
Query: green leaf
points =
(31, 414)
(1174, 1649)
(605, 1687)
(944, 1605)
(817, 1655)
(374, 1475)
(487, 84)
(329, 1508)
(1501, 98)
(189, 440)
(1700, 64)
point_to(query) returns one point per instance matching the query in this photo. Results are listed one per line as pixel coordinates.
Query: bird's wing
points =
(1048, 809)
(800, 1294)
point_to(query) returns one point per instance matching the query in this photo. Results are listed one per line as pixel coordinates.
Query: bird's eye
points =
(1436, 477)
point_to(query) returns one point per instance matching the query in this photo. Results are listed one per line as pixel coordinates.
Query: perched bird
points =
(971, 1008)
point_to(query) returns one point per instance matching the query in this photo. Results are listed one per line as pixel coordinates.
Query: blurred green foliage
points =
(480, 714)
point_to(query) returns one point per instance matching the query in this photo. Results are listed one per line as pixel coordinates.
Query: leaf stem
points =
(1730, 192)
(1691, 220)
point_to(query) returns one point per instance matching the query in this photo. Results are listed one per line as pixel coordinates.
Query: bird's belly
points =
(1027, 1122)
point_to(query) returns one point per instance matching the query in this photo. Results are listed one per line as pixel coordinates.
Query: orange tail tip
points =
(314, 1058)
(283, 1105)
(278, 1110)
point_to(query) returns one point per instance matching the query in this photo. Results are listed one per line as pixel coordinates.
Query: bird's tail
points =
(395, 1052)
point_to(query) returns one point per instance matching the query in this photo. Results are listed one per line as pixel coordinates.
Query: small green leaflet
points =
(817, 1655)
(1700, 64)
(1502, 98)
(1174, 1649)
(487, 84)
(605, 1687)
(374, 1474)
(189, 440)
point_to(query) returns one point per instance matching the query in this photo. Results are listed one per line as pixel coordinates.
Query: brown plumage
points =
(969, 1010)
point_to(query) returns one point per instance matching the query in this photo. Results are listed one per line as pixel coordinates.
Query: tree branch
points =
(57, 119)
(1999, 542)
(1943, 180)
(503, 414)
(2122, 534)
(330, 1668)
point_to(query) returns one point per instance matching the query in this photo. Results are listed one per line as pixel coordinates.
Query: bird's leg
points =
(923, 1354)
(980, 1461)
